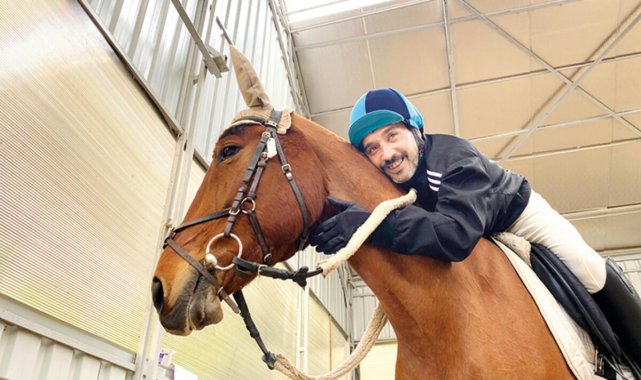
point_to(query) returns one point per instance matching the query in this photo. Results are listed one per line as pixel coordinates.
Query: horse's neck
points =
(350, 175)
(395, 279)
(445, 315)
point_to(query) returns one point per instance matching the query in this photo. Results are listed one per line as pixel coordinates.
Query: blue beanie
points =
(378, 108)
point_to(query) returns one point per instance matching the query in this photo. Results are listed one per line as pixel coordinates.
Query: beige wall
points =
(380, 363)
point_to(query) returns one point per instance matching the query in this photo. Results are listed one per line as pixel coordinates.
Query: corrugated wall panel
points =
(85, 168)
(25, 355)
(631, 265)
(159, 46)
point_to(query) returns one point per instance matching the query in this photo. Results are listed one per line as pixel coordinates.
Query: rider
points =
(462, 196)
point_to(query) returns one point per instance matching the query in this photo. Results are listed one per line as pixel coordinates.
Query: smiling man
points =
(393, 151)
(461, 197)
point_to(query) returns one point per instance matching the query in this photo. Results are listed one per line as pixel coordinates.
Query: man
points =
(462, 196)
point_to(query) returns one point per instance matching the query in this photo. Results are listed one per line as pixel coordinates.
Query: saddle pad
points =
(574, 342)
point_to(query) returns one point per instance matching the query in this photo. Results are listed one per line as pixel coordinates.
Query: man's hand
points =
(334, 233)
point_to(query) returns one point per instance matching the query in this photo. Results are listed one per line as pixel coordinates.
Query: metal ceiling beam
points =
(316, 7)
(363, 15)
(634, 208)
(546, 71)
(450, 68)
(632, 251)
(208, 54)
(556, 125)
(499, 80)
(431, 25)
(573, 150)
(370, 61)
(559, 96)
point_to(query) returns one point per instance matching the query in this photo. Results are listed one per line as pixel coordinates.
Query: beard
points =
(406, 174)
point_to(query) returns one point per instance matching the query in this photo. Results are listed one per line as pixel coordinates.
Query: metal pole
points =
(555, 72)
(316, 7)
(450, 68)
(556, 125)
(361, 16)
(573, 150)
(528, 74)
(186, 146)
(556, 100)
(187, 82)
(209, 60)
(606, 211)
(217, 88)
(299, 318)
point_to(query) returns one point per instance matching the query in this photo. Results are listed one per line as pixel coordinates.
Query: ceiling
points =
(550, 89)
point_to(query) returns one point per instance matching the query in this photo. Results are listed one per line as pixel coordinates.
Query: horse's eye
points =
(227, 152)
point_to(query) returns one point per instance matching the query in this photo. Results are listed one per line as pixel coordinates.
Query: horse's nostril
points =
(157, 293)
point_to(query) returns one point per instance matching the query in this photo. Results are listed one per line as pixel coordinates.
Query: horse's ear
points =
(248, 82)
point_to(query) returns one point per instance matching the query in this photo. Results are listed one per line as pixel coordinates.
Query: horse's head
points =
(185, 297)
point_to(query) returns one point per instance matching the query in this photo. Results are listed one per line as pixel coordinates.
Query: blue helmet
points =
(378, 108)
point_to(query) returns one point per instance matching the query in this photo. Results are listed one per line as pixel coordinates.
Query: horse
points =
(468, 319)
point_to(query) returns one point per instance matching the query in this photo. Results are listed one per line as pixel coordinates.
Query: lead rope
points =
(378, 320)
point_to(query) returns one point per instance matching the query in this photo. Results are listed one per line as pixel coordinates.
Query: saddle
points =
(580, 305)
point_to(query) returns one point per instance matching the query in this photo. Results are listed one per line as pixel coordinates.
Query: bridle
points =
(245, 203)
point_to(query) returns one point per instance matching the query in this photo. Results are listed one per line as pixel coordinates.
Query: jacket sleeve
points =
(452, 230)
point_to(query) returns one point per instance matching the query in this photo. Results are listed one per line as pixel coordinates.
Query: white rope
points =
(362, 233)
(374, 328)
(378, 319)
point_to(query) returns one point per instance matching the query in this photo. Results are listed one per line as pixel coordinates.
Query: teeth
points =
(395, 164)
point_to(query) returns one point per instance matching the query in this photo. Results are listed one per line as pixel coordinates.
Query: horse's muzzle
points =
(196, 306)
(204, 307)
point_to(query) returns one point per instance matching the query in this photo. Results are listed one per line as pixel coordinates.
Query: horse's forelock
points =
(234, 130)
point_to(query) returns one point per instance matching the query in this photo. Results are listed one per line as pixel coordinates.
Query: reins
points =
(244, 203)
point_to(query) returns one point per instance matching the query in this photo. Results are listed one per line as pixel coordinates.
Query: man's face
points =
(393, 150)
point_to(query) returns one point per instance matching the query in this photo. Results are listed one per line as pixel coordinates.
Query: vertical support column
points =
(183, 158)
(302, 324)
(450, 68)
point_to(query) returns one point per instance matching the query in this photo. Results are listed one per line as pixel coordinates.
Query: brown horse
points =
(472, 319)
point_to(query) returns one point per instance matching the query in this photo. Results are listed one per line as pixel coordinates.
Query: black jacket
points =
(462, 196)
